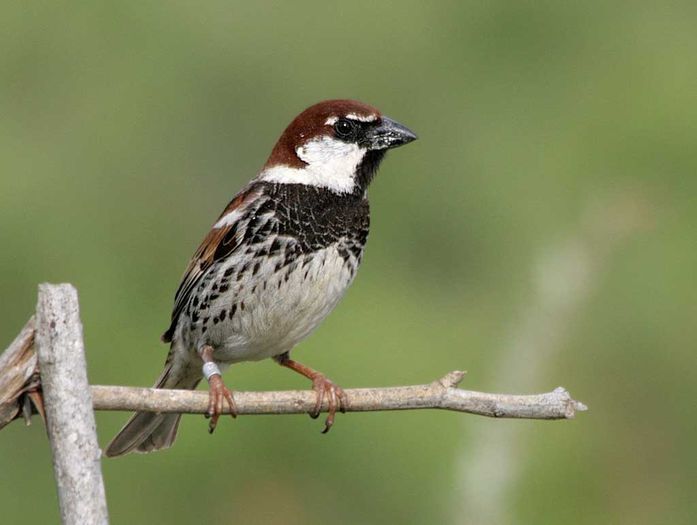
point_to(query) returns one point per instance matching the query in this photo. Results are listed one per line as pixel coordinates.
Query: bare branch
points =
(441, 394)
(18, 375)
(69, 415)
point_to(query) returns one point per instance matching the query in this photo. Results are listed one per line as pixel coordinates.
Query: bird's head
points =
(336, 144)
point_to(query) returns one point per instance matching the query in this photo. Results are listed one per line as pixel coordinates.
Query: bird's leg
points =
(217, 391)
(336, 398)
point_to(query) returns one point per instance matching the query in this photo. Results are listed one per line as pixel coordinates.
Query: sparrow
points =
(275, 263)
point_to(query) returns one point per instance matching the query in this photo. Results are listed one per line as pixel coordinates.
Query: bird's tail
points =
(149, 431)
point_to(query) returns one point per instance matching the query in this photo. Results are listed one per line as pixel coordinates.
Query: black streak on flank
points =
(275, 247)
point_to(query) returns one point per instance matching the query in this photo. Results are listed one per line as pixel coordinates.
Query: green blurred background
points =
(541, 232)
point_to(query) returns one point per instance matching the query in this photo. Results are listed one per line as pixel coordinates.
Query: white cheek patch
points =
(328, 152)
(331, 164)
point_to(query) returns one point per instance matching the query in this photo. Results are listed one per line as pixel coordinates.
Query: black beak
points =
(388, 134)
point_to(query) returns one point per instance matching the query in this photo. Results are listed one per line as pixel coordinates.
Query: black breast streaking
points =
(318, 218)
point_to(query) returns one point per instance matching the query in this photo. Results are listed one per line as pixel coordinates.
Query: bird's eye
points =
(344, 128)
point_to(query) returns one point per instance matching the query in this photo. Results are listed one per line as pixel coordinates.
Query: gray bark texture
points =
(68, 404)
(440, 394)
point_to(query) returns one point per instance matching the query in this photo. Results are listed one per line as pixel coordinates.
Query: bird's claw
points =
(336, 400)
(218, 394)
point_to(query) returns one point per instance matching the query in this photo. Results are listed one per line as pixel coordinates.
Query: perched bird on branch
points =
(275, 264)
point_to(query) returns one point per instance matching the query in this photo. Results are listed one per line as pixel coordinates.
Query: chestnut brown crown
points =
(341, 119)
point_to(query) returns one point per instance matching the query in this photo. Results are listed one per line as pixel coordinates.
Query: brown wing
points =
(218, 244)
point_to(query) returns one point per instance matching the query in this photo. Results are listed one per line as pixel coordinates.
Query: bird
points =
(275, 263)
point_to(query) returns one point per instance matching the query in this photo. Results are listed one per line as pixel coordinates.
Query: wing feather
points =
(223, 239)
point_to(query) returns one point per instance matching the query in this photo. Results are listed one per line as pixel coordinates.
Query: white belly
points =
(271, 319)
